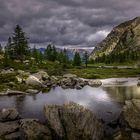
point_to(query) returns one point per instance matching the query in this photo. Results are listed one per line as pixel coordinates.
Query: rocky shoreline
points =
(41, 81)
(71, 122)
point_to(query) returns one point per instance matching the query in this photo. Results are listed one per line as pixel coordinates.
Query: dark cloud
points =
(65, 22)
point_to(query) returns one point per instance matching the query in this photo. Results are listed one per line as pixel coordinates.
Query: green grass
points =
(95, 73)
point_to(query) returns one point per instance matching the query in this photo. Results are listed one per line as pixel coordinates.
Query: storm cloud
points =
(65, 22)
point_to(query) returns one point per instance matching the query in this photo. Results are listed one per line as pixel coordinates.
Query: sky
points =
(65, 23)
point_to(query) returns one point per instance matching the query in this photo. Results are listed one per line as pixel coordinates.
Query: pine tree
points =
(53, 54)
(35, 54)
(48, 52)
(77, 59)
(65, 56)
(9, 50)
(1, 50)
(20, 44)
(85, 58)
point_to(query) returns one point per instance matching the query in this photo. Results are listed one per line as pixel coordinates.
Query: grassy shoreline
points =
(103, 73)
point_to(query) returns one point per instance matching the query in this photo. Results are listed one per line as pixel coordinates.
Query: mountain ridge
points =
(123, 37)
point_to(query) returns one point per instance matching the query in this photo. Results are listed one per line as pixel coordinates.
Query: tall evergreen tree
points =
(9, 50)
(1, 50)
(77, 59)
(48, 52)
(85, 58)
(35, 54)
(20, 44)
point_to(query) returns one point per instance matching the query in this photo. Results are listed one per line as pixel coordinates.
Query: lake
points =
(105, 101)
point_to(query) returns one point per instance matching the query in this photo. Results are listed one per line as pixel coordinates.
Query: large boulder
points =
(41, 75)
(68, 82)
(131, 113)
(32, 129)
(33, 81)
(73, 122)
(7, 128)
(8, 114)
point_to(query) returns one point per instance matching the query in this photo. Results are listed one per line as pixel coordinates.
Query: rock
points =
(54, 80)
(13, 136)
(8, 127)
(41, 75)
(138, 84)
(118, 136)
(32, 91)
(94, 83)
(8, 114)
(22, 76)
(73, 122)
(135, 136)
(131, 113)
(9, 71)
(19, 80)
(33, 81)
(23, 73)
(78, 86)
(68, 82)
(81, 82)
(69, 76)
(32, 129)
(14, 92)
(20, 72)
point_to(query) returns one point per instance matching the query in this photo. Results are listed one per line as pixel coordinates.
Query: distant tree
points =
(40, 57)
(35, 54)
(1, 50)
(65, 56)
(85, 58)
(77, 59)
(20, 44)
(9, 50)
(6, 59)
(53, 54)
(48, 52)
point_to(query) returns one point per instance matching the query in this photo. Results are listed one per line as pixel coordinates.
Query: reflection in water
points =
(105, 101)
(121, 94)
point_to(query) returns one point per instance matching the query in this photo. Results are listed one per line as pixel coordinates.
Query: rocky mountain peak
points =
(123, 37)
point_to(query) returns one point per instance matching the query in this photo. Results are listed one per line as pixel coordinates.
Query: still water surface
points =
(105, 101)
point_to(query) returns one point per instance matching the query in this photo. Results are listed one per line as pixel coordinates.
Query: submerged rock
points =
(73, 122)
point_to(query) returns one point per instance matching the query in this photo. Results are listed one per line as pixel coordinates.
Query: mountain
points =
(71, 51)
(123, 38)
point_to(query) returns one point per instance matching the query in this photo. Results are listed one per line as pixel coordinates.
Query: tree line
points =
(17, 48)
(122, 57)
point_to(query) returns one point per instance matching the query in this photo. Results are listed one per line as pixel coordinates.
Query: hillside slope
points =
(124, 37)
